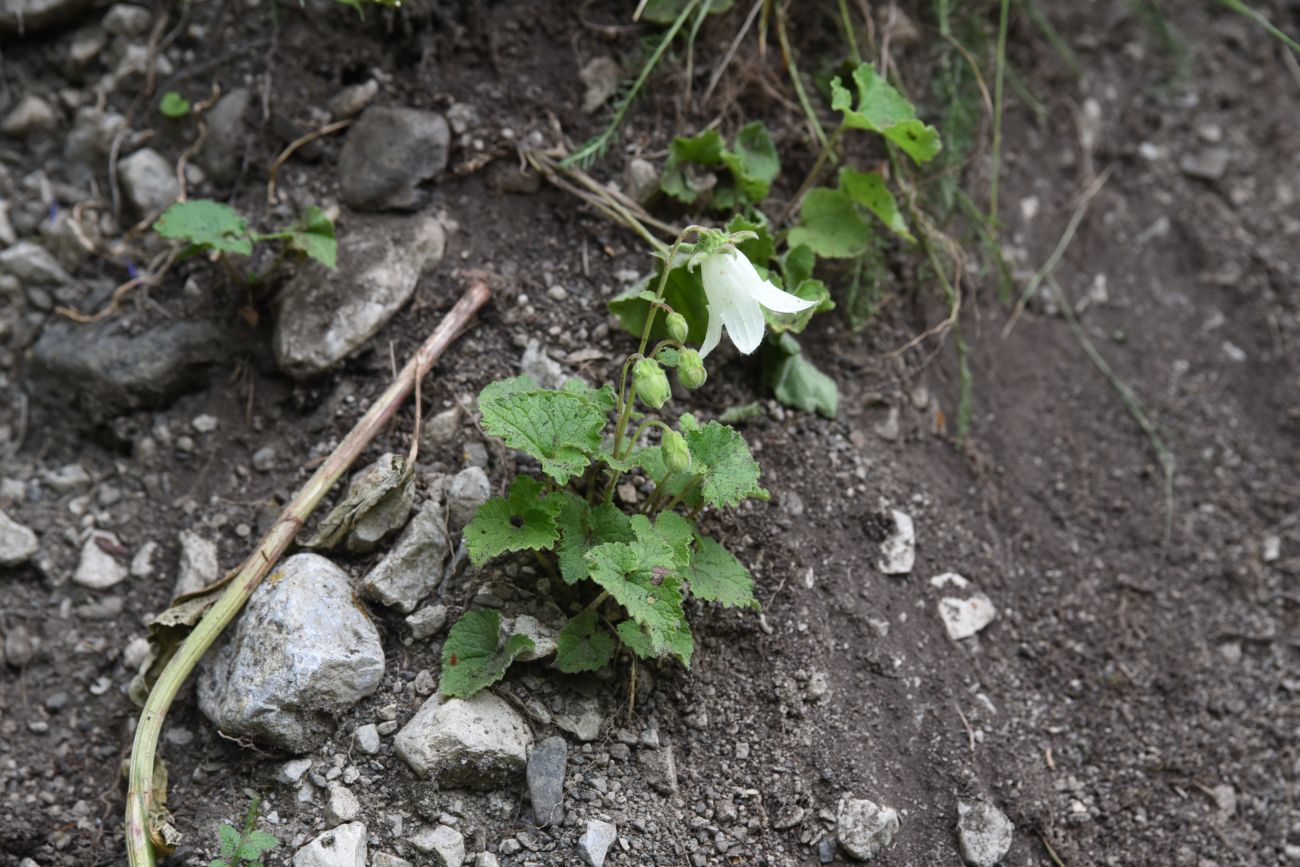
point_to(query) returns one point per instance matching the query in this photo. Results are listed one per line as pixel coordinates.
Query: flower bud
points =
(677, 327)
(690, 369)
(677, 457)
(651, 383)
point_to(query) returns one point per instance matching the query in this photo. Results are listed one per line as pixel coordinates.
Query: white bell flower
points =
(737, 296)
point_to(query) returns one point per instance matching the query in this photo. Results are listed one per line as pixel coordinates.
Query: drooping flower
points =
(737, 296)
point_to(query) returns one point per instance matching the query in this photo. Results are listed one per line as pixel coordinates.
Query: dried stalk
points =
(140, 841)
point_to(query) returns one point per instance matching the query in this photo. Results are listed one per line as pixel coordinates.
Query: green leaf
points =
(796, 381)
(583, 645)
(639, 575)
(314, 236)
(880, 108)
(173, 105)
(754, 163)
(603, 398)
(560, 429)
(470, 659)
(743, 413)
(721, 458)
(757, 250)
(797, 264)
(677, 642)
(207, 225)
(705, 149)
(256, 844)
(679, 533)
(229, 836)
(829, 225)
(666, 11)
(684, 293)
(868, 189)
(516, 523)
(583, 527)
(715, 575)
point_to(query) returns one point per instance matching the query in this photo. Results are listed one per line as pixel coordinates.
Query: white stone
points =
(1272, 548)
(142, 562)
(474, 743)
(965, 617)
(540, 367)
(342, 807)
(983, 833)
(345, 846)
(468, 490)
(198, 566)
(865, 828)
(898, 551)
(582, 719)
(31, 115)
(304, 650)
(444, 843)
(428, 621)
(33, 264)
(595, 842)
(149, 181)
(545, 636)
(367, 738)
(17, 543)
(293, 770)
(949, 579)
(98, 569)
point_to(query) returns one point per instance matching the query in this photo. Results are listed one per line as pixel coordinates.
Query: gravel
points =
(865, 828)
(983, 833)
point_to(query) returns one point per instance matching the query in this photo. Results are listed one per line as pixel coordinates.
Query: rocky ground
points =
(1031, 675)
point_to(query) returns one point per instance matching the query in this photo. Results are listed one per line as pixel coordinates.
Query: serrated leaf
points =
(880, 108)
(229, 836)
(207, 225)
(256, 844)
(314, 236)
(583, 645)
(829, 225)
(720, 456)
(796, 381)
(603, 398)
(639, 575)
(560, 429)
(517, 522)
(715, 575)
(678, 642)
(868, 189)
(679, 533)
(753, 162)
(582, 527)
(173, 105)
(470, 658)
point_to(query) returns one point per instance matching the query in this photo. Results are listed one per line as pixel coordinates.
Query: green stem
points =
(676, 501)
(851, 36)
(140, 800)
(788, 56)
(994, 169)
(636, 436)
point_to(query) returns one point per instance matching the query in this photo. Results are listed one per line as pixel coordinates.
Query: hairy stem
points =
(140, 840)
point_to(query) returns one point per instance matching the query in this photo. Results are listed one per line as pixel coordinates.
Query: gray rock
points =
(66, 479)
(413, 568)
(293, 770)
(149, 181)
(367, 738)
(342, 807)
(601, 77)
(582, 719)
(383, 859)
(98, 569)
(303, 652)
(659, 767)
(546, 768)
(223, 149)
(545, 635)
(540, 367)
(486, 859)
(427, 622)
(388, 153)
(108, 367)
(595, 841)
(983, 833)
(125, 19)
(344, 846)
(468, 490)
(352, 100)
(1208, 165)
(264, 459)
(386, 515)
(198, 565)
(865, 828)
(30, 116)
(443, 842)
(440, 430)
(326, 315)
(87, 145)
(33, 16)
(21, 646)
(475, 743)
(641, 179)
(898, 551)
(18, 544)
(33, 265)
(963, 618)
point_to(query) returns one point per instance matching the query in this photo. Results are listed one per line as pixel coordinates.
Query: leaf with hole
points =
(520, 521)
